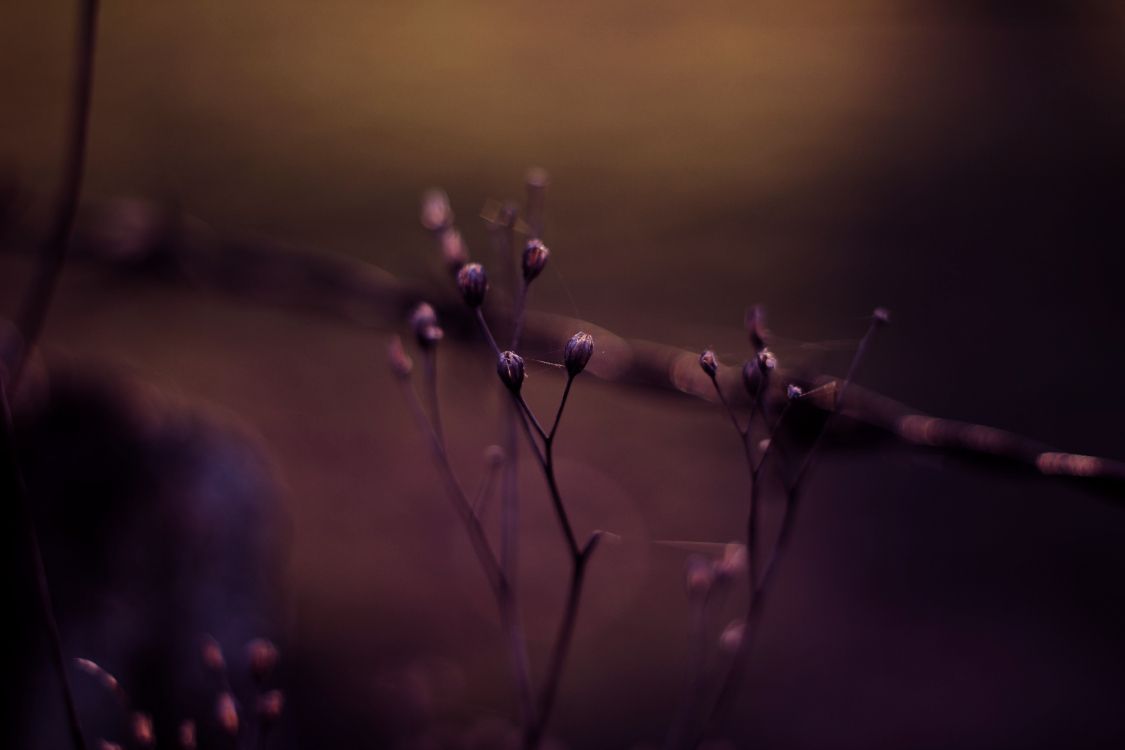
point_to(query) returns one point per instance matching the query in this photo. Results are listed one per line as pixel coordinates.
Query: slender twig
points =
(33, 307)
(15, 488)
(484, 490)
(429, 368)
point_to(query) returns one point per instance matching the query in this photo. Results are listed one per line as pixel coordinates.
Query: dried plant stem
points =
(33, 307)
(760, 586)
(498, 580)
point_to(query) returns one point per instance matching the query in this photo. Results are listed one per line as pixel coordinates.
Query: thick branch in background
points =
(142, 238)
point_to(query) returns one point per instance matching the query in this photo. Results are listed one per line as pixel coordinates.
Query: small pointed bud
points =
(436, 213)
(425, 325)
(882, 315)
(699, 575)
(511, 371)
(212, 653)
(187, 735)
(535, 255)
(226, 713)
(731, 638)
(793, 392)
(400, 363)
(709, 363)
(141, 725)
(472, 282)
(453, 249)
(756, 327)
(270, 705)
(262, 655)
(577, 352)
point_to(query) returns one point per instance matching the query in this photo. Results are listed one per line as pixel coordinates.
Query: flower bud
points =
(578, 352)
(794, 392)
(141, 725)
(699, 575)
(756, 327)
(535, 255)
(453, 249)
(262, 655)
(472, 283)
(187, 735)
(426, 329)
(731, 638)
(436, 213)
(510, 369)
(756, 372)
(400, 363)
(212, 653)
(882, 315)
(226, 713)
(733, 561)
(709, 363)
(270, 705)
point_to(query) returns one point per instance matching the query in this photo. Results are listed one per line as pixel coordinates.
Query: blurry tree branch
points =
(147, 240)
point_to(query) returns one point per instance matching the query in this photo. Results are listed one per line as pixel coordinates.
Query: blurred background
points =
(960, 163)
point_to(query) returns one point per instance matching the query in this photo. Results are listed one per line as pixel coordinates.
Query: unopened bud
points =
(756, 327)
(731, 638)
(577, 352)
(494, 455)
(212, 653)
(262, 655)
(453, 249)
(699, 575)
(107, 745)
(535, 255)
(187, 735)
(756, 371)
(794, 392)
(709, 363)
(882, 315)
(270, 705)
(472, 283)
(511, 371)
(399, 361)
(425, 324)
(141, 725)
(436, 214)
(226, 713)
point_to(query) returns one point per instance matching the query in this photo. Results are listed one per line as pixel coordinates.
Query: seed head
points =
(510, 369)
(472, 282)
(262, 655)
(756, 327)
(436, 214)
(535, 255)
(578, 352)
(453, 249)
(425, 324)
(400, 366)
(709, 363)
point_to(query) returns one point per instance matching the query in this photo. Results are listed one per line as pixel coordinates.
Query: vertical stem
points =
(33, 307)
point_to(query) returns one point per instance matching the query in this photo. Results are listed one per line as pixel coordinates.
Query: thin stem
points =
(729, 409)
(533, 420)
(693, 689)
(487, 332)
(429, 366)
(484, 491)
(562, 642)
(562, 405)
(15, 487)
(33, 308)
(519, 314)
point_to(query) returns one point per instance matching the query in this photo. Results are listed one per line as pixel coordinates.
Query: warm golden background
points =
(958, 162)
